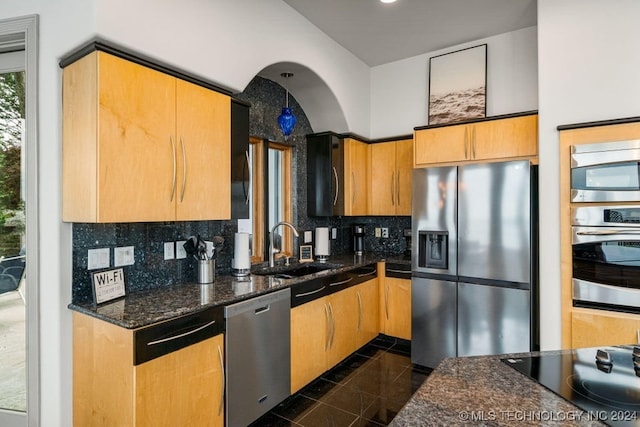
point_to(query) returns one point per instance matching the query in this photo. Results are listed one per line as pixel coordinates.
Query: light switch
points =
(308, 237)
(169, 250)
(98, 258)
(180, 252)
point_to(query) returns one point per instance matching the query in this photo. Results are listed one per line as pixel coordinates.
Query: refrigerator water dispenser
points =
(433, 250)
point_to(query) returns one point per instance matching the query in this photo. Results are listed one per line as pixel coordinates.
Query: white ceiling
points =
(379, 33)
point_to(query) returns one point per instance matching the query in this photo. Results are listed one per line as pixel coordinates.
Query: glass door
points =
(13, 289)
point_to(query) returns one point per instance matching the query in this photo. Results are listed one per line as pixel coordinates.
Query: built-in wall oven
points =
(606, 172)
(606, 257)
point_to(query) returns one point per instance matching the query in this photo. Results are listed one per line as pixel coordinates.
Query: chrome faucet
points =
(273, 251)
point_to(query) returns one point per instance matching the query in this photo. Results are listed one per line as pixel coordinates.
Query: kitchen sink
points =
(295, 271)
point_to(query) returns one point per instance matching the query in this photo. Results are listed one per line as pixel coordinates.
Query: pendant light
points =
(286, 120)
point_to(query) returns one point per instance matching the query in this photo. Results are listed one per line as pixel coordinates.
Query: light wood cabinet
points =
(183, 387)
(592, 328)
(391, 165)
(572, 324)
(395, 307)
(343, 310)
(141, 145)
(328, 329)
(368, 326)
(309, 342)
(356, 179)
(507, 138)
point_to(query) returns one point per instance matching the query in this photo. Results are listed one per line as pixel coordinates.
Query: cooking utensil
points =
(218, 243)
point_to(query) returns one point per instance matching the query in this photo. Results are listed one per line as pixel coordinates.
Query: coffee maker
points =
(358, 238)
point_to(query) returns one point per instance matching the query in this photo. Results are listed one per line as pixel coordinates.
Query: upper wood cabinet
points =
(337, 175)
(391, 165)
(356, 179)
(512, 137)
(141, 145)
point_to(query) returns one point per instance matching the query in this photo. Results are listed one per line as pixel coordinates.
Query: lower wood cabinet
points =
(592, 328)
(183, 387)
(327, 330)
(395, 307)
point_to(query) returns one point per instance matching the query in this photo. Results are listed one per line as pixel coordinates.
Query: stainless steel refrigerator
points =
(474, 263)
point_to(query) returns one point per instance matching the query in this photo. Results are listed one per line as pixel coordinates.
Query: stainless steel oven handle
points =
(608, 232)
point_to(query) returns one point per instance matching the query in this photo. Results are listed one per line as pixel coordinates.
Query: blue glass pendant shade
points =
(287, 121)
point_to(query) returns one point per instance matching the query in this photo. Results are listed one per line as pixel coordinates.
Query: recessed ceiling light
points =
(388, 1)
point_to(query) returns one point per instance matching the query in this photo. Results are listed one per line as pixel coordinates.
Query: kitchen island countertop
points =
(145, 308)
(484, 391)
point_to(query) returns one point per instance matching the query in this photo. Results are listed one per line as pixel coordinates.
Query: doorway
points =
(19, 272)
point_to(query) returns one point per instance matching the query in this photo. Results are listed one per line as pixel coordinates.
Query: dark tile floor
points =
(367, 389)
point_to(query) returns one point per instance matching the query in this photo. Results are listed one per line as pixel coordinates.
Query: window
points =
(271, 189)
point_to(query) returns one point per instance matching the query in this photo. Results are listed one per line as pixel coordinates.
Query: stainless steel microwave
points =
(606, 172)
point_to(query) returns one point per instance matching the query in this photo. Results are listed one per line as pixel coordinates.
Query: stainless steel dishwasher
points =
(257, 349)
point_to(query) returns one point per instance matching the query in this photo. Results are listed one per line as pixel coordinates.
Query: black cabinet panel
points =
(240, 172)
(325, 186)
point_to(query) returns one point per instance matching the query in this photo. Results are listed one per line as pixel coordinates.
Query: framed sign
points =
(108, 285)
(306, 253)
(458, 86)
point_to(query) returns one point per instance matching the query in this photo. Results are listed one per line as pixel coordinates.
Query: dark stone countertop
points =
(491, 392)
(156, 305)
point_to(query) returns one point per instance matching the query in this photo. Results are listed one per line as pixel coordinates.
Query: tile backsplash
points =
(152, 271)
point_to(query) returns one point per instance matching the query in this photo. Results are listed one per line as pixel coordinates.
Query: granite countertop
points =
(156, 305)
(484, 391)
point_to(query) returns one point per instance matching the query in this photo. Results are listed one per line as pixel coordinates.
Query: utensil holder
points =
(206, 270)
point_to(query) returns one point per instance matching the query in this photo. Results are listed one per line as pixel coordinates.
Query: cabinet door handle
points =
(333, 325)
(474, 142)
(335, 174)
(342, 282)
(304, 294)
(386, 301)
(184, 169)
(360, 311)
(173, 181)
(355, 188)
(466, 142)
(222, 383)
(392, 195)
(326, 314)
(398, 187)
(368, 274)
(175, 337)
(244, 188)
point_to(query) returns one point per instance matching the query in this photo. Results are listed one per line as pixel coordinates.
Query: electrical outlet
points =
(378, 232)
(98, 258)
(180, 252)
(123, 256)
(308, 236)
(169, 250)
(385, 233)
(334, 233)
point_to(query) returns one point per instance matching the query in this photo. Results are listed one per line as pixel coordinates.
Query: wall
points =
(588, 57)
(231, 41)
(228, 43)
(399, 89)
